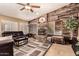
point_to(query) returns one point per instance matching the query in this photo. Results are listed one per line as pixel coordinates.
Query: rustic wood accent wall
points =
(60, 14)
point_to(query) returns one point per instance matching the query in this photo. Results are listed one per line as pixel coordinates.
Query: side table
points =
(58, 39)
(49, 39)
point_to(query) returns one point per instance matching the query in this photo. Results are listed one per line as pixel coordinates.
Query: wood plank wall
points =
(60, 14)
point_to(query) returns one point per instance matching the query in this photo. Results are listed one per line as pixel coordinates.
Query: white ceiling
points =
(12, 9)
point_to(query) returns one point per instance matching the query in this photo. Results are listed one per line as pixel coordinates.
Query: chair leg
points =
(18, 43)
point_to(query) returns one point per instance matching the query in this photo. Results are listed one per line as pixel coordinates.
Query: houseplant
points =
(71, 24)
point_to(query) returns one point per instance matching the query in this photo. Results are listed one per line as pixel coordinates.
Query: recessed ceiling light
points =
(37, 13)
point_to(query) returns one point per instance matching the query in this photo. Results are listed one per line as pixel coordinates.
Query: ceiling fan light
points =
(27, 7)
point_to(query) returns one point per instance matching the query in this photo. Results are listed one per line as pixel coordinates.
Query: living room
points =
(27, 31)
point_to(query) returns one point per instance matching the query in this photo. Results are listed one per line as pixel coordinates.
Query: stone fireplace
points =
(41, 31)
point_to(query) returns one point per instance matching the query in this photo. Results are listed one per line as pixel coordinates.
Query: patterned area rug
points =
(33, 48)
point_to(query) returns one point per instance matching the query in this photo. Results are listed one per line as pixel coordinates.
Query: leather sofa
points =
(74, 42)
(18, 37)
(6, 46)
(29, 35)
(68, 41)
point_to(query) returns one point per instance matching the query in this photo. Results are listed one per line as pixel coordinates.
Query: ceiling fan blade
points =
(35, 6)
(31, 10)
(22, 8)
(21, 4)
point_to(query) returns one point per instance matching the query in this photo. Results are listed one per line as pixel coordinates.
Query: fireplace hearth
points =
(41, 31)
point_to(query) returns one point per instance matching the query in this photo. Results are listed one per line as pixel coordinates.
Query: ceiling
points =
(12, 10)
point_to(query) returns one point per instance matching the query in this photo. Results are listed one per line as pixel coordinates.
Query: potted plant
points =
(71, 24)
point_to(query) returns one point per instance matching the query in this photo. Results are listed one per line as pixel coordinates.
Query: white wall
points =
(33, 28)
(9, 25)
(0, 29)
(13, 24)
(24, 27)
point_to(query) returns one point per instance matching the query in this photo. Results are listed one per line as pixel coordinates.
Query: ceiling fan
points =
(27, 6)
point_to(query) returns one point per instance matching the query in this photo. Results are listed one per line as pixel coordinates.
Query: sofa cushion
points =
(6, 39)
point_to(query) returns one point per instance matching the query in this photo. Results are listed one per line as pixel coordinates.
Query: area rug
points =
(33, 48)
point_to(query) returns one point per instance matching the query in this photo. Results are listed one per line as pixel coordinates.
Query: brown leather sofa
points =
(18, 37)
(29, 35)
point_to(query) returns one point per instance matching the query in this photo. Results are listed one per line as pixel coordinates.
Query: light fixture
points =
(42, 20)
(37, 13)
(27, 7)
